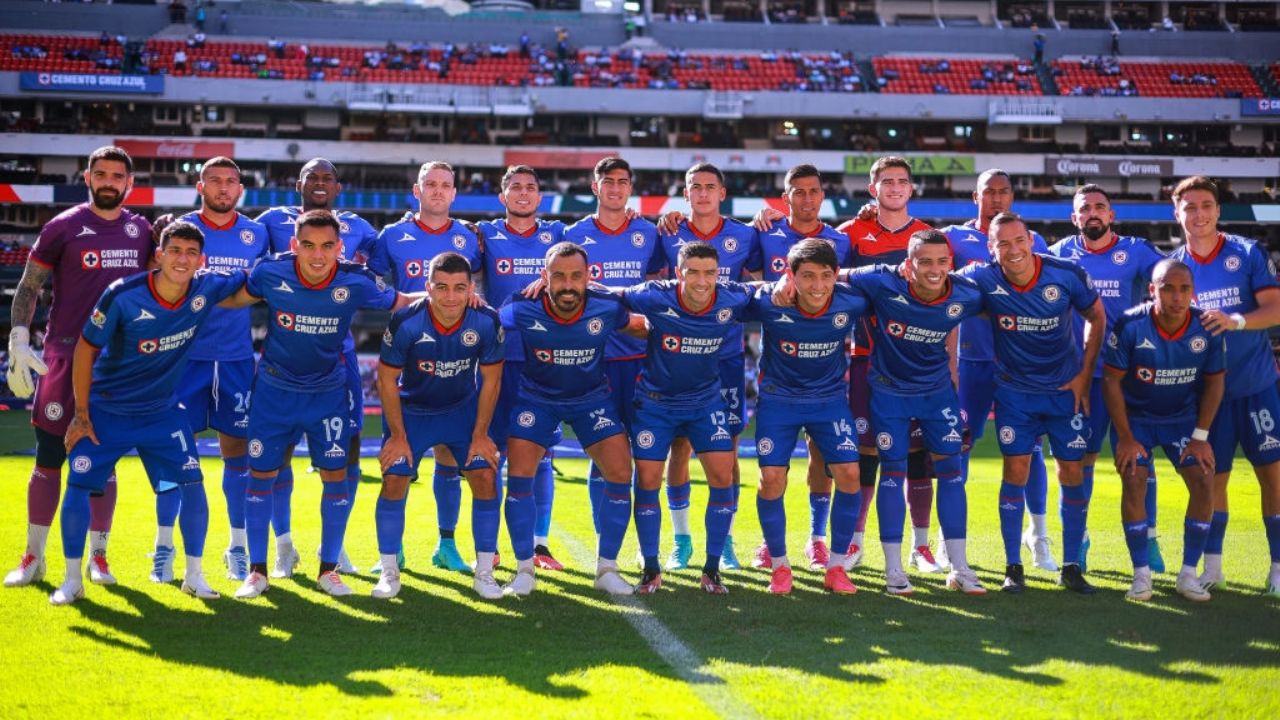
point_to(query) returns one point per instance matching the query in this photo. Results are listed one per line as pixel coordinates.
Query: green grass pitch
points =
(144, 650)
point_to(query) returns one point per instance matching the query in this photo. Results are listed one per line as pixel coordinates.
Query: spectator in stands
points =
(276, 46)
(224, 23)
(1115, 43)
(1038, 44)
(1167, 24)
(195, 41)
(524, 45)
(201, 14)
(179, 61)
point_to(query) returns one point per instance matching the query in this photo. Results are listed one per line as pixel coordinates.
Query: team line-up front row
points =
(1173, 377)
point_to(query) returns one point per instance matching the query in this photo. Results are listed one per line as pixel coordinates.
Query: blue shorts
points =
(500, 425)
(860, 399)
(278, 418)
(1250, 423)
(163, 440)
(937, 415)
(355, 394)
(733, 390)
(654, 425)
(828, 424)
(977, 390)
(451, 429)
(622, 376)
(539, 422)
(216, 395)
(1023, 416)
(1172, 437)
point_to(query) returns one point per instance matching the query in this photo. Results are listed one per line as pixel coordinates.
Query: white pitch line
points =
(712, 689)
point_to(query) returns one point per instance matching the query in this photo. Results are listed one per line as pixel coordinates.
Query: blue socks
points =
(544, 495)
(615, 516)
(844, 519)
(1272, 523)
(1151, 495)
(1135, 536)
(719, 517)
(1037, 488)
(953, 507)
(235, 480)
(75, 521)
(520, 515)
(1195, 534)
(484, 524)
(282, 507)
(258, 510)
(448, 492)
(819, 509)
(891, 503)
(168, 505)
(194, 518)
(388, 518)
(1013, 502)
(1217, 531)
(648, 525)
(335, 508)
(595, 493)
(1075, 511)
(678, 496)
(773, 524)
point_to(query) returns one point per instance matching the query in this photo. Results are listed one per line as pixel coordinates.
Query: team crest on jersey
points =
(246, 236)
(787, 347)
(1232, 263)
(1120, 257)
(131, 229)
(896, 329)
(197, 303)
(861, 425)
(595, 325)
(724, 315)
(387, 337)
(459, 242)
(412, 268)
(1113, 340)
(470, 337)
(427, 366)
(285, 320)
(1198, 344)
(53, 411)
(671, 343)
(840, 319)
(344, 227)
(380, 284)
(1007, 322)
(764, 446)
(954, 310)
(595, 271)
(778, 264)
(502, 335)
(148, 346)
(81, 464)
(637, 239)
(731, 244)
(1007, 435)
(542, 355)
(644, 439)
(525, 419)
(98, 318)
(544, 237)
(884, 441)
(503, 266)
(1051, 294)
(341, 294)
(90, 260)
(1145, 374)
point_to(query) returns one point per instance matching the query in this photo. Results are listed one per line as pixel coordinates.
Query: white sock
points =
(857, 539)
(389, 562)
(920, 535)
(603, 566)
(74, 569)
(1187, 570)
(195, 565)
(1152, 534)
(1039, 526)
(1275, 568)
(522, 565)
(284, 539)
(892, 557)
(484, 562)
(1142, 572)
(837, 560)
(37, 535)
(239, 538)
(1212, 563)
(680, 521)
(540, 540)
(98, 542)
(781, 562)
(956, 554)
(164, 536)
(817, 538)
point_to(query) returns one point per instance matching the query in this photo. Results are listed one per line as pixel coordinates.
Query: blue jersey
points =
(227, 334)
(439, 363)
(564, 358)
(969, 246)
(681, 366)
(1119, 273)
(1036, 349)
(739, 247)
(145, 340)
(621, 257)
(405, 250)
(1163, 373)
(513, 260)
(308, 324)
(1229, 279)
(777, 241)
(358, 236)
(910, 334)
(804, 358)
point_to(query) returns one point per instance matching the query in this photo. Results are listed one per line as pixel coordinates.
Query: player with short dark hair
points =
(1236, 287)
(81, 251)
(1042, 381)
(432, 352)
(126, 370)
(1163, 384)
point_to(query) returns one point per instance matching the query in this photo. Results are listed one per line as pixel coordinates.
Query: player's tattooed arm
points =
(81, 381)
(28, 293)
(953, 355)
